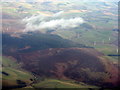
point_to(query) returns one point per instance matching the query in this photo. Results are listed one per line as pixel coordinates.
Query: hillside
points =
(23, 79)
(54, 83)
(12, 74)
(81, 64)
(34, 41)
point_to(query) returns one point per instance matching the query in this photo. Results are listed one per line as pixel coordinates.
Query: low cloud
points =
(58, 14)
(41, 22)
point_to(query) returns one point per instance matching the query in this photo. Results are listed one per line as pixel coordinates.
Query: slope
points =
(80, 64)
(12, 74)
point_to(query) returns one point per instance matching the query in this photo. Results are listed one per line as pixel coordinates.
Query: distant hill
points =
(34, 41)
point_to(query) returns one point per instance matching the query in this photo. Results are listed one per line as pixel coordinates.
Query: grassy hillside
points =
(54, 83)
(13, 76)
(9, 62)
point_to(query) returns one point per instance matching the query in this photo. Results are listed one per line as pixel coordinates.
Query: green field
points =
(12, 74)
(54, 83)
(7, 62)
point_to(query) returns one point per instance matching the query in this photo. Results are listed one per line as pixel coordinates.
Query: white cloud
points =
(40, 22)
(58, 14)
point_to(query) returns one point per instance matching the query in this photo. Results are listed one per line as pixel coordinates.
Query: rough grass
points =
(8, 62)
(14, 73)
(53, 83)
